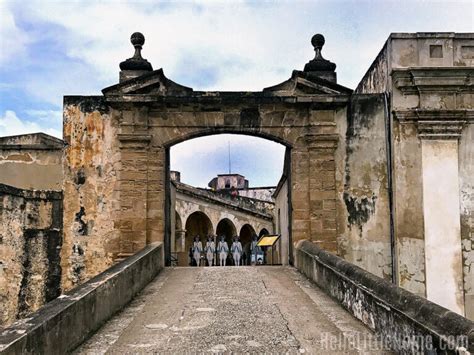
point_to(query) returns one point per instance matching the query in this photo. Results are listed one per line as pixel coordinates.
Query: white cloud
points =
(11, 125)
(212, 34)
(270, 39)
(13, 41)
(209, 45)
(200, 159)
(47, 116)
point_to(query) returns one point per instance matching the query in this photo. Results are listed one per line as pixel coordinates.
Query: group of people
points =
(222, 250)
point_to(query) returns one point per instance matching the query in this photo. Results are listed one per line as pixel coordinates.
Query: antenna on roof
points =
(230, 164)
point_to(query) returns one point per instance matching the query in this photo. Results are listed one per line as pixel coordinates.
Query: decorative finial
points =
(136, 62)
(319, 63)
(137, 39)
(318, 42)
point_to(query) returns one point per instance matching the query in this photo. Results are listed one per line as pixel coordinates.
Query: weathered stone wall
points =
(226, 198)
(466, 182)
(408, 208)
(91, 197)
(430, 103)
(259, 193)
(30, 246)
(406, 323)
(363, 200)
(31, 161)
(227, 181)
(377, 78)
(116, 161)
(63, 324)
(281, 221)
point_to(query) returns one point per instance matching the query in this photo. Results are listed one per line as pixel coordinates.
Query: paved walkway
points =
(230, 309)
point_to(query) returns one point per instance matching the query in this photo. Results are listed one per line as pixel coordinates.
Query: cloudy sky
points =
(53, 48)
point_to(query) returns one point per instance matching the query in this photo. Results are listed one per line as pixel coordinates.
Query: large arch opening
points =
(246, 235)
(197, 224)
(226, 228)
(235, 173)
(263, 231)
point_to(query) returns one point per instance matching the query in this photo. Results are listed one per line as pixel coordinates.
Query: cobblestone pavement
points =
(267, 309)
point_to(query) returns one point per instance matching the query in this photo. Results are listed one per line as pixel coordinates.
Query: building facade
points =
(382, 175)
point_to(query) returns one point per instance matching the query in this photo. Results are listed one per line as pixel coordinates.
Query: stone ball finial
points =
(136, 63)
(318, 41)
(319, 64)
(137, 39)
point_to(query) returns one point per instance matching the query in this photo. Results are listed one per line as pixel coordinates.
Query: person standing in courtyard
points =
(236, 251)
(210, 250)
(197, 250)
(222, 249)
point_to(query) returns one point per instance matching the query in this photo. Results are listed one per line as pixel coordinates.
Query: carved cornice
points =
(425, 79)
(134, 140)
(440, 129)
(434, 115)
(437, 124)
(322, 141)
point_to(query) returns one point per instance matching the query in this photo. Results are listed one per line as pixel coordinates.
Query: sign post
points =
(266, 241)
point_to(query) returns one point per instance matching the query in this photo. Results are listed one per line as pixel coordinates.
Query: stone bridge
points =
(363, 171)
(323, 305)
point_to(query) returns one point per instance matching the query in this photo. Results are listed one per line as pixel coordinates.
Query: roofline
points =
(259, 188)
(184, 189)
(46, 142)
(411, 35)
(229, 175)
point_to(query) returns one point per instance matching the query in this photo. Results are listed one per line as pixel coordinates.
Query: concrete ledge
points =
(405, 322)
(64, 323)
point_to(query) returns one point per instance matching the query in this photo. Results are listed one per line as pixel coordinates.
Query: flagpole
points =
(230, 164)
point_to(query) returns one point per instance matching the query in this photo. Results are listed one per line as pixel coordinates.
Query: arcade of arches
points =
(203, 213)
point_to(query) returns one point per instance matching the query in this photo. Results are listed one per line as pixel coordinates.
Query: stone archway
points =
(124, 145)
(198, 223)
(247, 131)
(246, 234)
(263, 231)
(227, 228)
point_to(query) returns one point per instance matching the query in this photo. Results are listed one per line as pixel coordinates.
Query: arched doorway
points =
(249, 231)
(246, 234)
(226, 227)
(264, 231)
(198, 223)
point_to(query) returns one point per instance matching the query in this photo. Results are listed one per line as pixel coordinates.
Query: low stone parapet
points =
(64, 323)
(401, 321)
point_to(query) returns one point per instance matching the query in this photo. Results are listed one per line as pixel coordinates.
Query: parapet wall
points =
(405, 322)
(30, 247)
(63, 324)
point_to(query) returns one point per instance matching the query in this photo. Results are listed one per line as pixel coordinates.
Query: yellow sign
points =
(267, 240)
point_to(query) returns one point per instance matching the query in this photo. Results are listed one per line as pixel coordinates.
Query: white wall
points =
(282, 222)
(442, 224)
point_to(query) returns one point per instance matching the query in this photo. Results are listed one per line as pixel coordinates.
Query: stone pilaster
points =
(322, 145)
(156, 195)
(133, 180)
(300, 225)
(441, 211)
